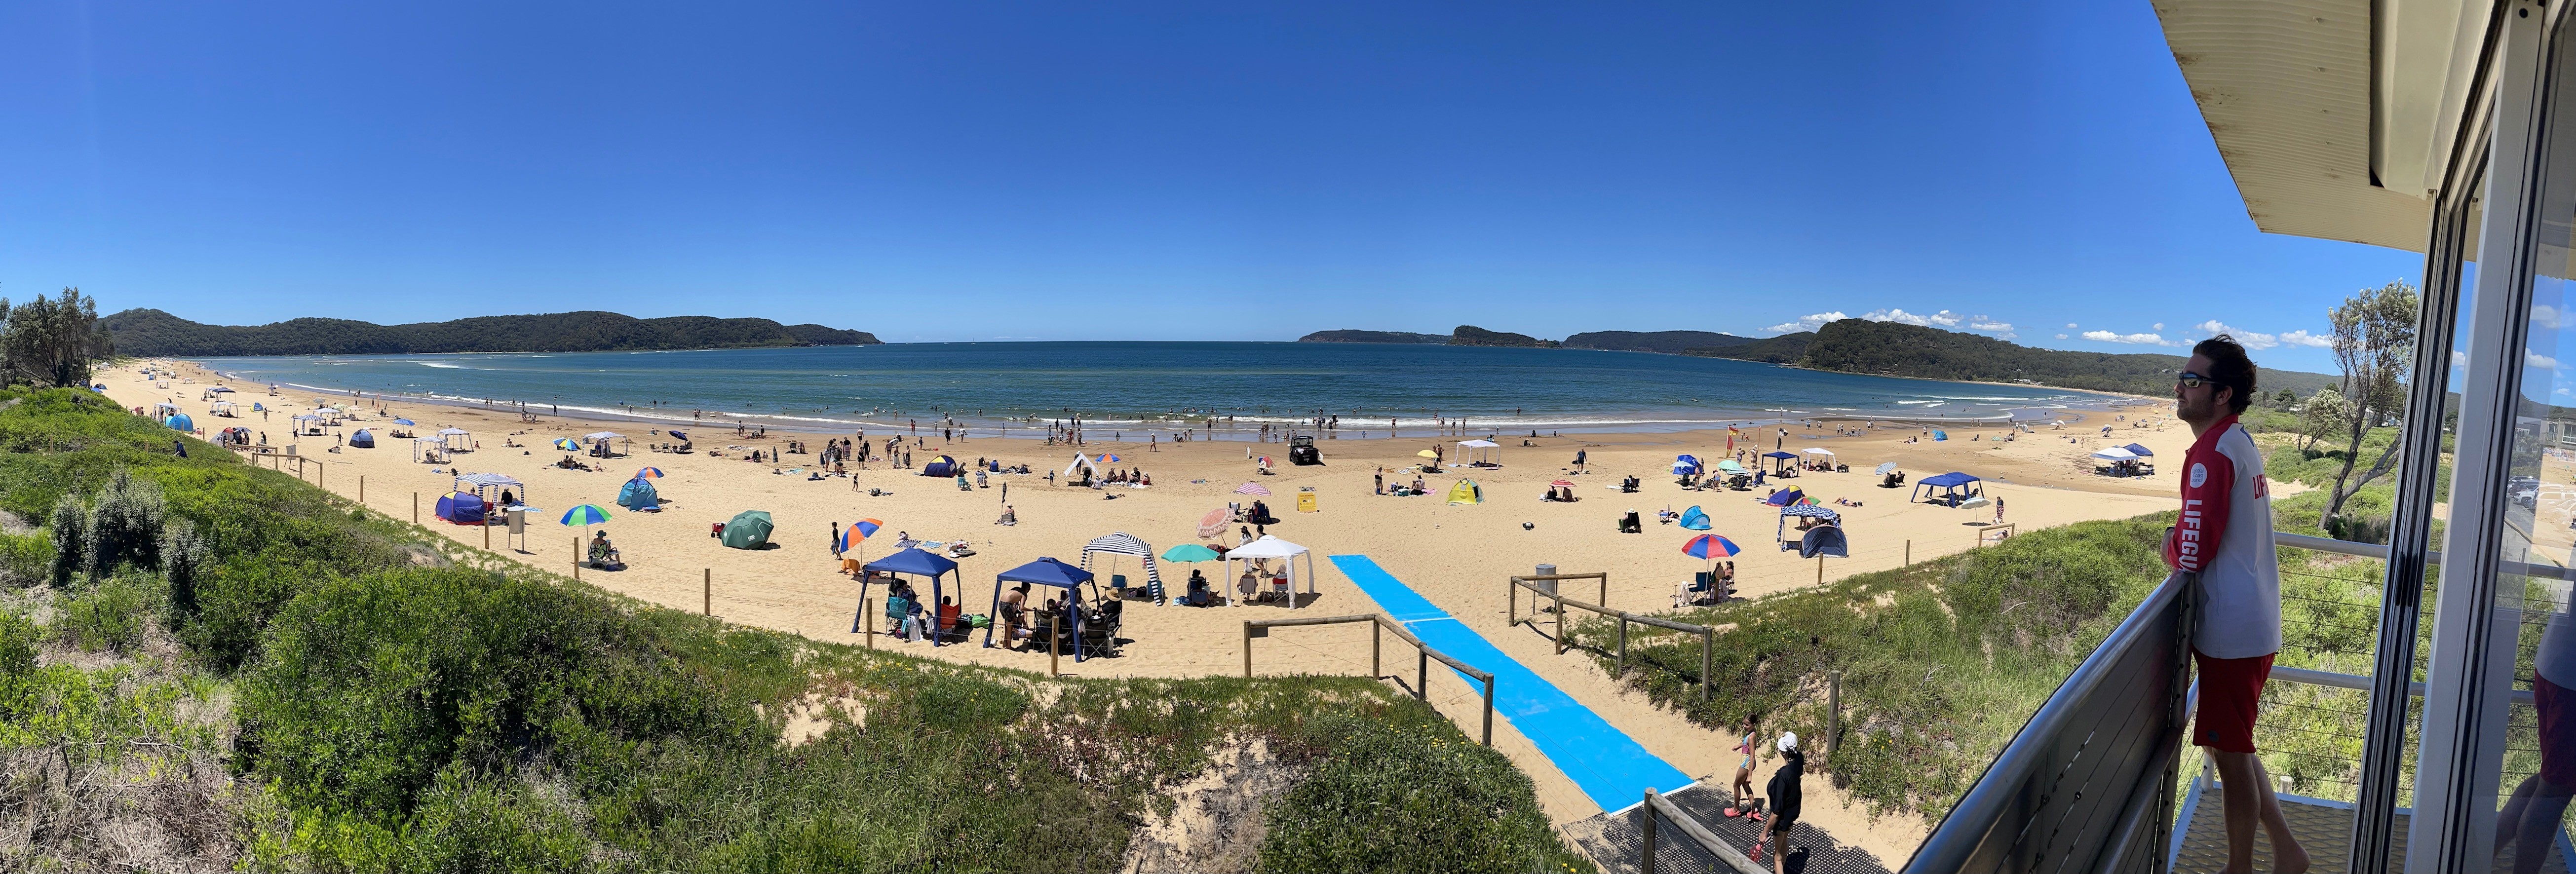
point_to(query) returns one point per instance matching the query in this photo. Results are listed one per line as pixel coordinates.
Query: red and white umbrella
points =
(1562, 484)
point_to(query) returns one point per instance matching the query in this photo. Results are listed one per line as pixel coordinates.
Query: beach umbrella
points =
(1710, 546)
(1561, 484)
(858, 533)
(1112, 459)
(1428, 454)
(1885, 468)
(649, 473)
(1214, 523)
(396, 421)
(1252, 489)
(1190, 552)
(585, 515)
(675, 435)
(567, 444)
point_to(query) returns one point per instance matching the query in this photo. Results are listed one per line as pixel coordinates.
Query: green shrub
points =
(18, 639)
(108, 615)
(124, 526)
(70, 529)
(25, 559)
(1420, 797)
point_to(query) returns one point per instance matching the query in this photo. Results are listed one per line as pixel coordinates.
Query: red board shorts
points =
(2229, 691)
(2557, 706)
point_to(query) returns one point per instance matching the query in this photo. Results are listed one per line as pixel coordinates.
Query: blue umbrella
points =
(586, 514)
(396, 421)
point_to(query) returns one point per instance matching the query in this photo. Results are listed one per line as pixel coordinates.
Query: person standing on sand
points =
(2224, 536)
(1999, 509)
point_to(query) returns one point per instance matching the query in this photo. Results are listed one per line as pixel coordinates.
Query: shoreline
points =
(1240, 428)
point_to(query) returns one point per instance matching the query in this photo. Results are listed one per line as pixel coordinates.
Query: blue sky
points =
(1178, 171)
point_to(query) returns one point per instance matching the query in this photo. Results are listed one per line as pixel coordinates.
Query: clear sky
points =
(971, 171)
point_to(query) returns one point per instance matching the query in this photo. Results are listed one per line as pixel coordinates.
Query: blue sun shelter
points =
(638, 494)
(1047, 571)
(1695, 519)
(362, 440)
(1948, 489)
(910, 563)
(180, 422)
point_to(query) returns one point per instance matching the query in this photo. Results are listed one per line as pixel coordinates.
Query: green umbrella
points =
(586, 514)
(1190, 552)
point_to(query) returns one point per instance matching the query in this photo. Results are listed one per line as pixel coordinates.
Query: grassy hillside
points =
(207, 665)
(148, 333)
(1358, 336)
(1896, 349)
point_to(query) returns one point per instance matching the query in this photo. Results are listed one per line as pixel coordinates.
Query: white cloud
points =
(2061, 336)
(1945, 319)
(2160, 326)
(2249, 339)
(2132, 339)
(2303, 338)
(2547, 316)
(2070, 326)
(1898, 315)
(1991, 326)
(1807, 322)
(2538, 360)
(2459, 358)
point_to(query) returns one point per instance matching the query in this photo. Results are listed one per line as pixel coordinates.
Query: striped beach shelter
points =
(1123, 543)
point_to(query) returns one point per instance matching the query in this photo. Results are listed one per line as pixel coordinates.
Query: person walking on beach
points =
(2224, 535)
(1787, 797)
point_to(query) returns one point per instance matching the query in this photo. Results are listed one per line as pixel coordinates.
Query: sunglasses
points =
(2188, 379)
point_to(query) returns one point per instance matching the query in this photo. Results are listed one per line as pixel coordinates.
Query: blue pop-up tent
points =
(180, 422)
(1954, 487)
(1046, 571)
(1695, 519)
(1780, 460)
(1824, 540)
(362, 440)
(1784, 497)
(638, 494)
(462, 508)
(909, 562)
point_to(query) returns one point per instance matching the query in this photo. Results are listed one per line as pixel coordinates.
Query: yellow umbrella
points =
(1428, 454)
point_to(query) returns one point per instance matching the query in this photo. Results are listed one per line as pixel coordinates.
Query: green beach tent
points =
(748, 530)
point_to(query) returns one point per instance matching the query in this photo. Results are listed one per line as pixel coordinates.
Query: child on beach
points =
(1743, 769)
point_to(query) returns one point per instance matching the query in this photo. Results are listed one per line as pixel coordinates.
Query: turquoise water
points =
(1155, 386)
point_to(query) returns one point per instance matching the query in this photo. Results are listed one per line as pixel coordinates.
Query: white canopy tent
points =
(1818, 450)
(226, 409)
(1271, 547)
(429, 450)
(1079, 462)
(2116, 453)
(451, 438)
(1478, 453)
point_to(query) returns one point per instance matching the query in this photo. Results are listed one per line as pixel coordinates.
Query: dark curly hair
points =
(2229, 368)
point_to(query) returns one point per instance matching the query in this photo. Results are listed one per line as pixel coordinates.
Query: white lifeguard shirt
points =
(2225, 534)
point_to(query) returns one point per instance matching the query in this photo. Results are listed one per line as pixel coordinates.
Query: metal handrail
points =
(2314, 543)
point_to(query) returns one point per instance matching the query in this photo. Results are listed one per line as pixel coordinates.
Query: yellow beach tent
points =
(1466, 492)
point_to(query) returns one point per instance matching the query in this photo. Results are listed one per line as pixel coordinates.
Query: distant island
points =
(1465, 335)
(150, 332)
(1668, 342)
(1894, 349)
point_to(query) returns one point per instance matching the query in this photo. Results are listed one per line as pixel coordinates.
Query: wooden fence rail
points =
(1381, 624)
(1707, 635)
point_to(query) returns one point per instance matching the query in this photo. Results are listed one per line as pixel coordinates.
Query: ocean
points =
(1160, 386)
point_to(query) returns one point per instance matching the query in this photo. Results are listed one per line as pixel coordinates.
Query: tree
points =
(2285, 399)
(2374, 339)
(51, 342)
(2323, 418)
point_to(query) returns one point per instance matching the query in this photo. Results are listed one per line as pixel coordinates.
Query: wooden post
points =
(1605, 591)
(1377, 635)
(576, 555)
(1833, 714)
(1489, 711)
(362, 488)
(864, 604)
(1707, 645)
(1820, 570)
(707, 595)
(1909, 552)
(1646, 863)
(1055, 645)
(415, 508)
(1421, 674)
(1512, 596)
(1247, 650)
(487, 535)
(1623, 645)
(1560, 625)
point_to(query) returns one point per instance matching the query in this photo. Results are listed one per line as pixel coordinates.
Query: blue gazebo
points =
(1954, 487)
(1045, 571)
(910, 562)
(1780, 461)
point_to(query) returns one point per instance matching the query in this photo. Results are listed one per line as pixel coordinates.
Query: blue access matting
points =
(1601, 759)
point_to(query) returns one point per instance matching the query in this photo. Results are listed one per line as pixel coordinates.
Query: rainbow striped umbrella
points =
(1112, 459)
(586, 514)
(568, 444)
(649, 473)
(1710, 546)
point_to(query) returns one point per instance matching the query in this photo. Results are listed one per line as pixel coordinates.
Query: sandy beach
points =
(1456, 556)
